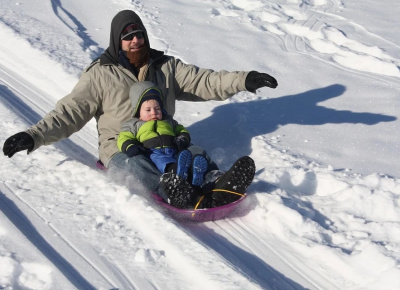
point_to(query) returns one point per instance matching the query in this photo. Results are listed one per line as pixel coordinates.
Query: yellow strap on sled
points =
(202, 197)
(198, 203)
(233, 192)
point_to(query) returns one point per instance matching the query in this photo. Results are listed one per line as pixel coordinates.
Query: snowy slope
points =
(324, 209)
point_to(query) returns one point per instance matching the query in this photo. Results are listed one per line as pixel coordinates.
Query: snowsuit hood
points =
(137, 94)
(119, 22)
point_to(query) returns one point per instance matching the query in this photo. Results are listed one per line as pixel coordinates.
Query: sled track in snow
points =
(48, 241)
(29, 111)
(30, 104)
(226, 238)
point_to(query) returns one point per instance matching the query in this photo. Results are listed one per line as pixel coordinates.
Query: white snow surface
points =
(324, 209)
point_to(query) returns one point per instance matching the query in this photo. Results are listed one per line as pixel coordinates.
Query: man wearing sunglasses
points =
(102, 92)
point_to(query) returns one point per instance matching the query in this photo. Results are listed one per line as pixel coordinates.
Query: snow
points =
(324, 209)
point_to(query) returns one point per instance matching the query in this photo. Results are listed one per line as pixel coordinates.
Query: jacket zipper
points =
(158, 134)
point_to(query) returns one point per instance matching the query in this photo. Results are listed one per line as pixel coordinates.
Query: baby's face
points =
(150, 110)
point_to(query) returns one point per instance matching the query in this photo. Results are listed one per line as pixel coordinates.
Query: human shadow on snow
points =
(232, 126)
(67, 18)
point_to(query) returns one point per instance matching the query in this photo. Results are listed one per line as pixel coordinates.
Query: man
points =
(102, 92)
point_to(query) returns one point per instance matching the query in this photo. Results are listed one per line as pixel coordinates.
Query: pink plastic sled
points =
(192, 215)
(198, 215)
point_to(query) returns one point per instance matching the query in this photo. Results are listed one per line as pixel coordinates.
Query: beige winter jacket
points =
(102, 92)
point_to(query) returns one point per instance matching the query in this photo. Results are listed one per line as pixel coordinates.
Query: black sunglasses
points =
(131, 36)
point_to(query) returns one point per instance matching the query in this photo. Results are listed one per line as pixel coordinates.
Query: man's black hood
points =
(119, 22)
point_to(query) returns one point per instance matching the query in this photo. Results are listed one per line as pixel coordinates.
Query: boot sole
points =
(180, 192)
(200, 166)
(237, 179)
(183, 164)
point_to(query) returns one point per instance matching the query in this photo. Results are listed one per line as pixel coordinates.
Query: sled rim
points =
(199, 215)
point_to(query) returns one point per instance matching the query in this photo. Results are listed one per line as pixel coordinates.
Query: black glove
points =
(18, 142)
(182, 141)
(135, 150)
(256, 80)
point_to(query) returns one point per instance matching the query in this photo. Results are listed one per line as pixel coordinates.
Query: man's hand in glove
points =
(256, 80)
(18, 142)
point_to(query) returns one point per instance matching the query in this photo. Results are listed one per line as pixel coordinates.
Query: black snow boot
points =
(233, 184)
(181, 194)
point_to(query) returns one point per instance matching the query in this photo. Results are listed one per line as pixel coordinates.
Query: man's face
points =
(133, 42)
